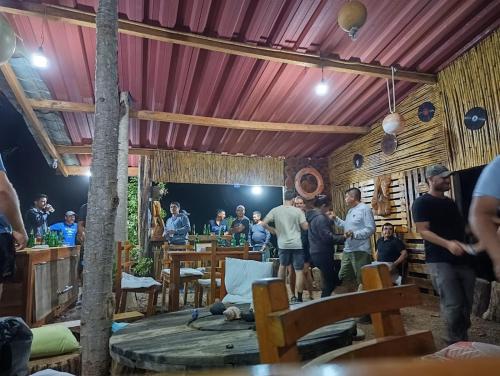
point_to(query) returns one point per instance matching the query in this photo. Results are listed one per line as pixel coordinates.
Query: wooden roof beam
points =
(205, 121)
(85, 170)
(87, 149)
(31, 117)
(87, 19)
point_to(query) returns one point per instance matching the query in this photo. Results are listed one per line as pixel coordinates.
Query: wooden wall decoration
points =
(419, 145)
(294, 165)
(473, 80)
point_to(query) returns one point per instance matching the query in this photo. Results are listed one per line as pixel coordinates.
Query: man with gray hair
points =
(442, 227)
(241, 225)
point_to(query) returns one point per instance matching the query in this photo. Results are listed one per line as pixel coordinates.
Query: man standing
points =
(484, 215)
(68, 228)
(12, 233)
(442, 227)
(359, 226)
(391, 249)
(36, 217)
(177, 227)
(288, 221)
(241, 224)
(259, 236)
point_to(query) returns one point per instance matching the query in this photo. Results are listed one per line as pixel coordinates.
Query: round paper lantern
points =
(351, 17)
(7, 40)
(393, 123)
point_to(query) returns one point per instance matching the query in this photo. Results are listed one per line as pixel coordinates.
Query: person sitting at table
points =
(68, 228)
(177, 227)
(241, 224)
(391, 249)
(218, 226)
(259, 236)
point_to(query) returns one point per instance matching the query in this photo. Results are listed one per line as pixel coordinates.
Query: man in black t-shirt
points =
(390, 248)
(442, 227)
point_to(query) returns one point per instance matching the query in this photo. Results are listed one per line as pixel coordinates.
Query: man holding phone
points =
(36, 217)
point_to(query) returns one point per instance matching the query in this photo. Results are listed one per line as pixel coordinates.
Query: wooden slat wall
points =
(473, 80)
(420, 144)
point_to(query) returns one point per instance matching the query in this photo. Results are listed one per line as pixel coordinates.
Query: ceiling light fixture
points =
(38, 58)
(322, 88)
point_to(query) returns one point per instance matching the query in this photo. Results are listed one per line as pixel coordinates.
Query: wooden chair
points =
(188, 274)
(279, 326)
(214, 275)
(124, 264)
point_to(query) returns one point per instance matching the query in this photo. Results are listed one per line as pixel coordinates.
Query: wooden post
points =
(388, 323)
(98, 300)
(122, 173)
(269, 295)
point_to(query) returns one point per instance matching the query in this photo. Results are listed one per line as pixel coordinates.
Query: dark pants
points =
(329, 272)
(455, 285)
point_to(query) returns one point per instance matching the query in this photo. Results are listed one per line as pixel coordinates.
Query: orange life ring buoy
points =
(319, 179)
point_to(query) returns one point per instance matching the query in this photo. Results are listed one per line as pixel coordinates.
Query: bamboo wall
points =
(420, 144)
(473, 80)
(202, 168)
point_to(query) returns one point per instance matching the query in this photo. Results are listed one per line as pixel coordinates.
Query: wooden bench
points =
(279, 326)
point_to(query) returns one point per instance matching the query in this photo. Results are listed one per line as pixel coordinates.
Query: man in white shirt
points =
(289, 221)
(359, 226)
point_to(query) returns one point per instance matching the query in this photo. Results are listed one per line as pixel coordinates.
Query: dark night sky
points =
(30, 174)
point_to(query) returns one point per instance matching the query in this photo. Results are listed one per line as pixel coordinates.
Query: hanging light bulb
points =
(38, 58)
(322, 88)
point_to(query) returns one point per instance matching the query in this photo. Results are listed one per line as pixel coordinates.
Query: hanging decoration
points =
(394, 122)
(389, 144)
(351, 17)
(426, 111)
(475, 118)
(357, 160)
(7, 40)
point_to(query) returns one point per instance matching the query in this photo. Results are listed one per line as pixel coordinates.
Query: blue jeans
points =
(455, 285)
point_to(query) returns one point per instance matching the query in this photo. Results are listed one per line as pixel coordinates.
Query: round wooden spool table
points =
(168, 343)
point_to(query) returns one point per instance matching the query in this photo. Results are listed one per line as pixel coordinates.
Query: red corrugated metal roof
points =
(415, 34)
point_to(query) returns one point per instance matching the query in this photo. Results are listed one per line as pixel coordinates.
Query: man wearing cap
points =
(442, 227)
(68, 228)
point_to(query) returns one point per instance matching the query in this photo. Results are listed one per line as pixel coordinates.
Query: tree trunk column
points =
(122, 173)
(97, 298)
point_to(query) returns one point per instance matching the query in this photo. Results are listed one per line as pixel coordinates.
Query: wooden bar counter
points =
(45, 284)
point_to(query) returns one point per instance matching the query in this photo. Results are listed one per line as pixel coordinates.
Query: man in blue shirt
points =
(68, 228)
(484, 215)
(259, 236)
(11, 227)
(177, 227)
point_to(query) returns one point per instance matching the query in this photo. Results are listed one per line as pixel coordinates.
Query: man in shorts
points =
(289, 221)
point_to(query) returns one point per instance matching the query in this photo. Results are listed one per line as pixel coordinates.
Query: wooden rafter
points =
(31, 117)
(81, 18)
(87, 149)
(84, 170)
(204, 121)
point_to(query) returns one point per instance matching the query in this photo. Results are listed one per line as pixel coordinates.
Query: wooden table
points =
(181, 256)
(166, 343)
(45, 284)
